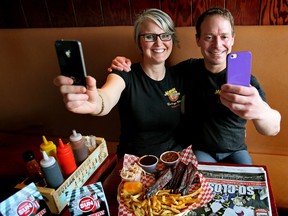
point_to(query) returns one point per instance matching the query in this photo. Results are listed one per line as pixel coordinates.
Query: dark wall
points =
(86, 13)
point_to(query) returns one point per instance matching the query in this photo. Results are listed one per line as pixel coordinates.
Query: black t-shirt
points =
(208, 125)
(150, 112)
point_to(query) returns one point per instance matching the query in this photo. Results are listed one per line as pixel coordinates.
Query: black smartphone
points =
(71, 60)
(239, 68)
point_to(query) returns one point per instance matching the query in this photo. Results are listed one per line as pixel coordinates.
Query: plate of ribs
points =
(171, 190)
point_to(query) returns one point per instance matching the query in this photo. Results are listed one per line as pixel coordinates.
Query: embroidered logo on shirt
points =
(217, 92)
(172, 94)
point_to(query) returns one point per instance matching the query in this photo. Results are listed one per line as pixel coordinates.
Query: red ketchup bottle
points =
(66, 159)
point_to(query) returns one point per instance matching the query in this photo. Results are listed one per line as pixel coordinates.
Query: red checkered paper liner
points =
(186, 156)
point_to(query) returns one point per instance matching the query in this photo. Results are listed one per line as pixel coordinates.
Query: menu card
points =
(88, 200)
(27, 201)
(238, 190)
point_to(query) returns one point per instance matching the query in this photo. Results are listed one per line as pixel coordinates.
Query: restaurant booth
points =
(32, 106)
(39, 109)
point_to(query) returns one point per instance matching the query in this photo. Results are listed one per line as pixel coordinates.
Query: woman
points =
(149, 96)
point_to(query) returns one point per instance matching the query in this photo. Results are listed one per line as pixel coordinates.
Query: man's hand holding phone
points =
(242, 100)
(248, 104)
(238, 95)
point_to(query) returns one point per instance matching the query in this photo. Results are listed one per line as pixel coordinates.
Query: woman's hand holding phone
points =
(79, 99)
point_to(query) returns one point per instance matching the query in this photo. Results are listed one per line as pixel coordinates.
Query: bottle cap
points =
(75, 136)
(46, 145)
(28, 156)
(47, 161)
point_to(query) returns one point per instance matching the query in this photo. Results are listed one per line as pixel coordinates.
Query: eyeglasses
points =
(153, 37)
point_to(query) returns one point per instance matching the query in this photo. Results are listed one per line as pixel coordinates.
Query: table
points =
(111, 183)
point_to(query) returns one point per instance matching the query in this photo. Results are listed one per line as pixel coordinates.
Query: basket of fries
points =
(156, 199)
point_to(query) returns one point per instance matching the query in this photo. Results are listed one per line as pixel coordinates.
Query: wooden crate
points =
(56, 199)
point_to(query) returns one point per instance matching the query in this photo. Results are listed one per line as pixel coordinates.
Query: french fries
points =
(163, 203)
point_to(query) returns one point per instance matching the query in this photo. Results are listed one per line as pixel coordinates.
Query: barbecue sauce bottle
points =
(79, 147)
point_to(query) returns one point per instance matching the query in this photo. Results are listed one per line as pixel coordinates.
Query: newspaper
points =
(239, 191)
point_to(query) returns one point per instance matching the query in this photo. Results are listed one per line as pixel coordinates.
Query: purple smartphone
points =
(239, 68)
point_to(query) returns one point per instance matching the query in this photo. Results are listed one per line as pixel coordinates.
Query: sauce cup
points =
(169, 158)
(148, 163)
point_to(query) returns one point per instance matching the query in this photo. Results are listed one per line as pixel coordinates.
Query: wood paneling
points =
(88, 13)
(82, 13)
(198, 7)
(138, 6)
(180, 11)
(245, 12)
(62, 13)
(273, 12)
(11, 14)
(116, 12)
(36, 14)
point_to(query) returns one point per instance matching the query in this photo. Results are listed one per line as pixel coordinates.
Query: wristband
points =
(102, 105)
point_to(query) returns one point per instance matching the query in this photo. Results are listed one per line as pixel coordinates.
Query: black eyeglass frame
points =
(155, 36)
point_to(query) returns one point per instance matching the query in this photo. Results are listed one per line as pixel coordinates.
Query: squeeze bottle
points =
(79, 148)
(52, 172)
(66, 159)
(48, 146)
(33, 168)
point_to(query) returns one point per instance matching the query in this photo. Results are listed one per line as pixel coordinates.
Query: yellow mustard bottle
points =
(49, 147)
